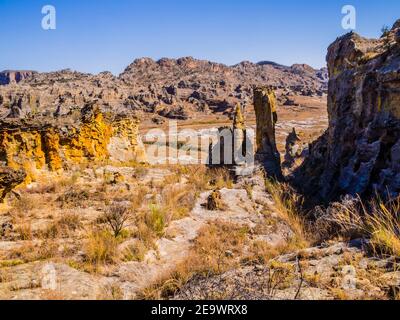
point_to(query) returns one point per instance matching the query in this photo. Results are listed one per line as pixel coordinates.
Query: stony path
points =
(132, 277)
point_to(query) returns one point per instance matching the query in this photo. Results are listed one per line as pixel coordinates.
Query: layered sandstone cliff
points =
(360, 152)
(95, 136)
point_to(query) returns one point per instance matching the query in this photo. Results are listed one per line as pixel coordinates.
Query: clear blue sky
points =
(97, 35)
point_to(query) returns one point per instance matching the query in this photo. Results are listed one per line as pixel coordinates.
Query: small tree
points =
(385, 31)
(116, 216)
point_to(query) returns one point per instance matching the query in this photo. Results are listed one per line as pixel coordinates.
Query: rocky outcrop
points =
(214, 201)
(12, 77)
(96, 136)
(266, 151)
(360, 152)
(9, 179)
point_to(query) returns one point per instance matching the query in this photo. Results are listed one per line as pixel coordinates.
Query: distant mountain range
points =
(168, 87)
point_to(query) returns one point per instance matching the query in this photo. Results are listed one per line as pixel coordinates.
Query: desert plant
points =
(116, 217)
(155, 220)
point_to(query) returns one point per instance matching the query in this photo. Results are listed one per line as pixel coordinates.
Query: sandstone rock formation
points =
(266, 151)
(214, 201)
(292, 149)
(360, 152)
(9, 179)
(95, 136)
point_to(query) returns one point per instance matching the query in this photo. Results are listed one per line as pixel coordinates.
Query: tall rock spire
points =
(267, 154)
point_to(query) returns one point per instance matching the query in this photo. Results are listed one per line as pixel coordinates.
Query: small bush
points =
(155, 220)
(73, 198)
(116, 216)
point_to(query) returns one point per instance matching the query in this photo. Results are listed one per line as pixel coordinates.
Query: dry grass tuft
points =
(379, 222)
(101, 248)
(288, 205)
(62, 227)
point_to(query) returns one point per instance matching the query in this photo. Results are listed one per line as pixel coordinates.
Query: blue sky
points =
(97, 35)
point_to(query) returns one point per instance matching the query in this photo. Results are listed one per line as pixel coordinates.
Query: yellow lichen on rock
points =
(51, 141)
(238, 121)
(22, 149)
(265, 108)
(96, 138)
(89, 142)
(125, 144)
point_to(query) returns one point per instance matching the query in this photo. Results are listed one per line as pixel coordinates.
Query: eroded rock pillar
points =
(266, 151)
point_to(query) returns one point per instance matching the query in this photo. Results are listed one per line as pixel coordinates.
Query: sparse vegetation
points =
(101, 248)
(288, 205)
(215, 250)
(378, 221)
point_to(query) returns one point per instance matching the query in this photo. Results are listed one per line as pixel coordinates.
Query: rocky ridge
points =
(360, 152)
(168, 88)
(12, 77)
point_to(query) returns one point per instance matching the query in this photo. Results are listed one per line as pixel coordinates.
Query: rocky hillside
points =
(9, 76)
(169, 88)
(360, 152)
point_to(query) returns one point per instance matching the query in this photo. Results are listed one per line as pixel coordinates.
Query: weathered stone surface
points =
(294, 149)
(214, 201)
(266, 151)
(359, 154)
(9, 179)
(95, 136)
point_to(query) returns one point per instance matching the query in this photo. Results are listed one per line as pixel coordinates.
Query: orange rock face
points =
(36, 147)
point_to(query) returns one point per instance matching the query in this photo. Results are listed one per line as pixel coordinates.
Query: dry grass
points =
(24, 232)
(379, 222)
(288, 206)
(178, 201)
(73, 198)
(135, 252)
(25, 204)
(101, 248)
(216, 250)
(33, 252)
(62, 227)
